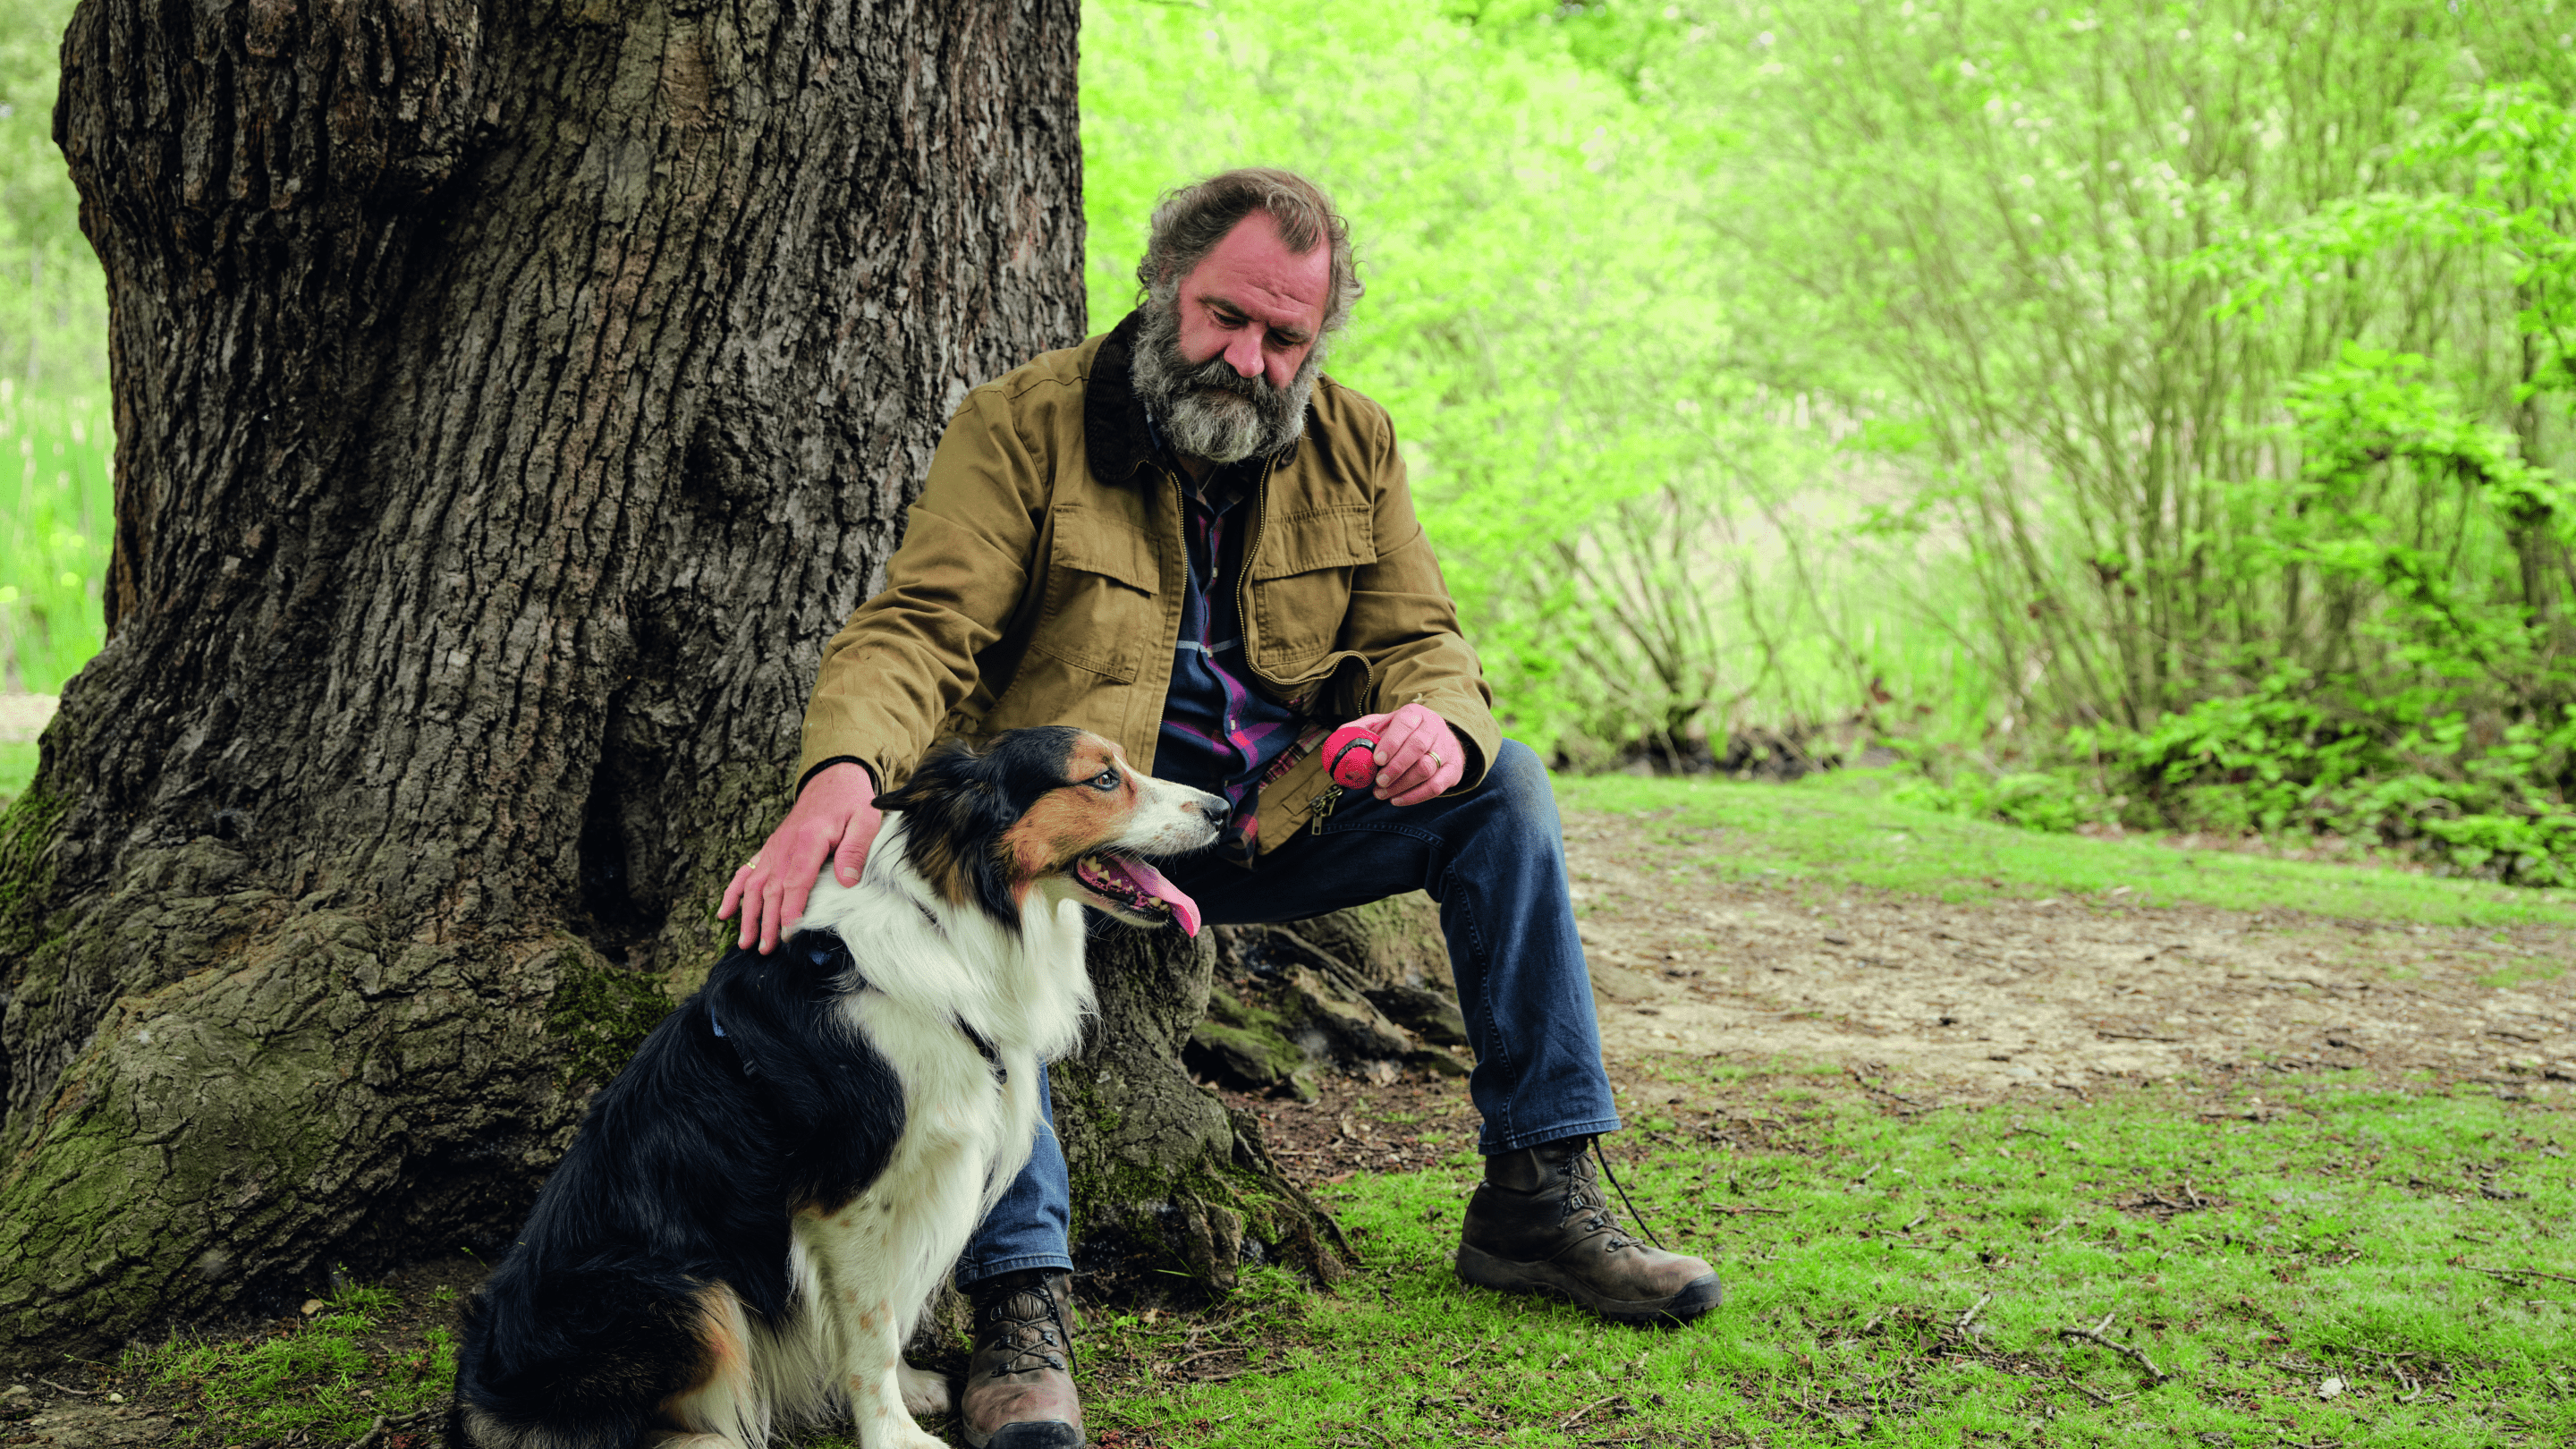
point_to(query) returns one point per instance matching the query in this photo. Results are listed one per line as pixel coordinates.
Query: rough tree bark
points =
(510, 401)
(1165, 1175)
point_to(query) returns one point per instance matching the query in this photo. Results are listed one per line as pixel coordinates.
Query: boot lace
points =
(1028, 1324)
(1580, 1198)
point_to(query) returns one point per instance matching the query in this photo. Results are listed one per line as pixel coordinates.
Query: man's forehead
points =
(1255, 272)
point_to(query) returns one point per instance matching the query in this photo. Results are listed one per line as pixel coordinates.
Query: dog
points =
(757, 1210)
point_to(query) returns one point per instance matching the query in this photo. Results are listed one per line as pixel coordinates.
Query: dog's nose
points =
(1214, 807)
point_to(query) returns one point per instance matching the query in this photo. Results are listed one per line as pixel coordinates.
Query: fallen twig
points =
(2053, 1232)
(1973, 1309)
(2502, 1273)
(386, 1423)
(1570, 1419)
(2105, 1400)
(1919, 1219)
(66, 1388)
(2094, 1335)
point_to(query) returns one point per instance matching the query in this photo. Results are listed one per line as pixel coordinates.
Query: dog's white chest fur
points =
(864, 1270)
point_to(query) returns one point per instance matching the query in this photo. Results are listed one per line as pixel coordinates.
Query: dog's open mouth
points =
(1137, 887)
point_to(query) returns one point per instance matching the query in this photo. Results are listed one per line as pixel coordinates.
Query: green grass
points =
(330, 1377)
(1842, 829)
(2337, 1235)
(2339, 1244)
(57, 502)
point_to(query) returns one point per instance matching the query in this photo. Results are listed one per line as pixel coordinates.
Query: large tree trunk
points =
(510, 401)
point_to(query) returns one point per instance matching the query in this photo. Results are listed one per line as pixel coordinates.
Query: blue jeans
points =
(1494, 859)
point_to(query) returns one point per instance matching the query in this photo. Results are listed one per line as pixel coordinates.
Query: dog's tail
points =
(602, 1359)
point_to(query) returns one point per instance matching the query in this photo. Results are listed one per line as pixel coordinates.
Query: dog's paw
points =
(923, 1392)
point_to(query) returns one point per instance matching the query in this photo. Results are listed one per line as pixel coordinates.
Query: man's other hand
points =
(1418, 755)
(834, 818)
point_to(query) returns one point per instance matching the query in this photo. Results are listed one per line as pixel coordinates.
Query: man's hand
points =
(1418, 755)
(835, 818)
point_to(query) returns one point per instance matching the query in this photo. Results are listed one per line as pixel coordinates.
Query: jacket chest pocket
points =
(1301, 585)
(1098, 610)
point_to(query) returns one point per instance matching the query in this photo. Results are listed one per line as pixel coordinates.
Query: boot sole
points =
(1505, 1276)
(1043, 1434)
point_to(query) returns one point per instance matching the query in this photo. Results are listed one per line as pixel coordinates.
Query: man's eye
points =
(1105, 780)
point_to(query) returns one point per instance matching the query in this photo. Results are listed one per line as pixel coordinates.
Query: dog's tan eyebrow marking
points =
(1065, 826)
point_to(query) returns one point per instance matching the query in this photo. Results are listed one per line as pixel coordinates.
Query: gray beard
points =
(1209, 410)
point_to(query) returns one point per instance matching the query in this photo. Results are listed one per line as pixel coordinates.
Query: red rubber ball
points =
(1350, 753)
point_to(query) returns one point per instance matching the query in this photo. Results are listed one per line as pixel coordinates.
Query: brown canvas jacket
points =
(1041, 572)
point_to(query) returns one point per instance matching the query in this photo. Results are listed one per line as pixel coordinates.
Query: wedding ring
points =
(1436, 761)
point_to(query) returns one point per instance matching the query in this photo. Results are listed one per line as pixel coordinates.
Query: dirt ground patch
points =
(1980, 997)
(1979, 1001)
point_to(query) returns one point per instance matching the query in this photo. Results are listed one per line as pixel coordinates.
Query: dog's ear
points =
(958, 804)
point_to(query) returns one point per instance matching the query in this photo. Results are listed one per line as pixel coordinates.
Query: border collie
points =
(758, 1209)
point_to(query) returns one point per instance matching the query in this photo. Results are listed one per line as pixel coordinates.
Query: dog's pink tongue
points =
(1149, 880)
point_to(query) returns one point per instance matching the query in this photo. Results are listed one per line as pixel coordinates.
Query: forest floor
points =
(1996, 1138)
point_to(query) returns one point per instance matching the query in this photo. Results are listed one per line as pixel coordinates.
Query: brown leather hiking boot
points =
(1019, 1385)
(1538, 1224)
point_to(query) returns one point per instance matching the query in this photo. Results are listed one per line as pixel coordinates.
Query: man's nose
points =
(1243, 354)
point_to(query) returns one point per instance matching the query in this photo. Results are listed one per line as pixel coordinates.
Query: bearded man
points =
(1183, 536)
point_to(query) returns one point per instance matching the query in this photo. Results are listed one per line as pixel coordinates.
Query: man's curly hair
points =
(1189, 222)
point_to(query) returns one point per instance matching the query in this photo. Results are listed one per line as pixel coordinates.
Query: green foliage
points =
(53, 298)
(54, 534)
(18, 759)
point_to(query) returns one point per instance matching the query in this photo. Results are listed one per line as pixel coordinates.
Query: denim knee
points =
(1519, 783)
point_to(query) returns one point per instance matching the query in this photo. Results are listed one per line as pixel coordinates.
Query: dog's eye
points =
(1105, 780)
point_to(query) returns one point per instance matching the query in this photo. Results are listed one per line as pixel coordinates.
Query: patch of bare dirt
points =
(1974, 1001)
(1986, 997)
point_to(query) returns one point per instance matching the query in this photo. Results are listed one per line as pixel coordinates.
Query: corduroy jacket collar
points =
(1115, 433)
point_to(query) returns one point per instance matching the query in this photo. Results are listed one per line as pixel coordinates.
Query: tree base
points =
(1165, 1175)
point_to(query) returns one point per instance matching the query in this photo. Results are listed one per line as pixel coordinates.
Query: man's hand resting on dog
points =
(834, 818)
(1419, 757)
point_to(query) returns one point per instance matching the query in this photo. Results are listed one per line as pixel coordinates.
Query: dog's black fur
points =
(688, 1166)
(683, 1174)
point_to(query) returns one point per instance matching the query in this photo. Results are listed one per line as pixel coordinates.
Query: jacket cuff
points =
(876, 777)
